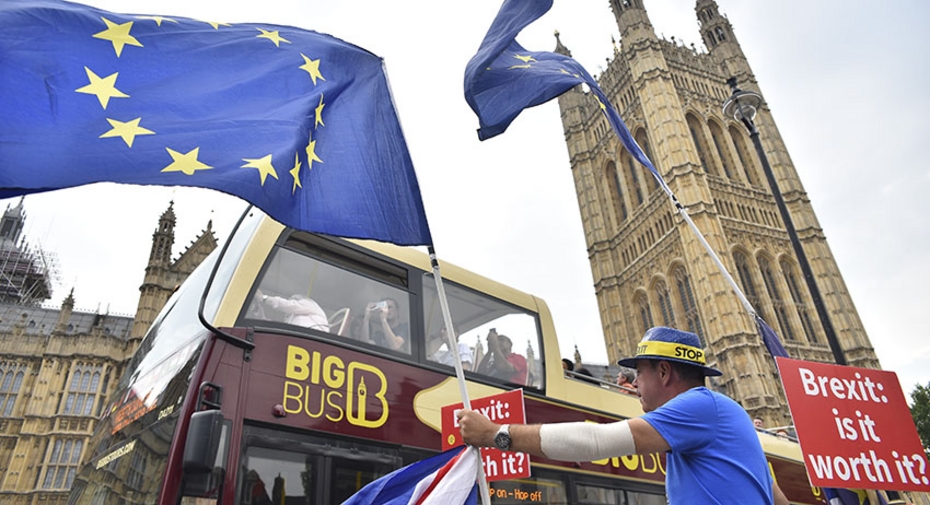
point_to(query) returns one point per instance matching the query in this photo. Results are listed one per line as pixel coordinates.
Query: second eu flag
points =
(299, 123)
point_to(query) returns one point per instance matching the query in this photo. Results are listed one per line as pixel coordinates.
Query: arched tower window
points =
(83, 390)
(632, 177)
(723, 149)
(745, 157)
(768, 275)
(791, 279)
(744, 270)
(11, 380)
(665, 304)
(700, 144)
(645, 313)
(616, 192)
(686, 295)
(721, 36)
(643, 142)
(61, 463)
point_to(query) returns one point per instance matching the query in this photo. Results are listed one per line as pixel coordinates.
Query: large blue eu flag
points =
(503, 78)
(299, 123)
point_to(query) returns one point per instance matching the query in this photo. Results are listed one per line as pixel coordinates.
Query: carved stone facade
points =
(58, 368)
(649, 268)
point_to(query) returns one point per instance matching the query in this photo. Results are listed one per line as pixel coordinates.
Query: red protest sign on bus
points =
(854, 427)
(503, 408)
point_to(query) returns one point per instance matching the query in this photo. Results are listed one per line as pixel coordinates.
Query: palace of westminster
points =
(58, 366)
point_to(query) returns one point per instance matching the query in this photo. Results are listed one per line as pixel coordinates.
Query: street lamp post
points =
(742, 106)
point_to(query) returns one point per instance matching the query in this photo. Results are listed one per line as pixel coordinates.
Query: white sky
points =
(844, 80)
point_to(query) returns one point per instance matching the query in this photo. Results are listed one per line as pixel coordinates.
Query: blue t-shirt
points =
(716, 457)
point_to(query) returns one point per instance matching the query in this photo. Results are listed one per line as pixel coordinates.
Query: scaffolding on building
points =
(27, 273)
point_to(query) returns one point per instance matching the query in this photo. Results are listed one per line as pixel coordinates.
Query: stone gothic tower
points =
(162, 275)
(649, 268)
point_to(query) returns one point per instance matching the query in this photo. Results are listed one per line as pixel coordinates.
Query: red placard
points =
(503, 408)
(854, 427)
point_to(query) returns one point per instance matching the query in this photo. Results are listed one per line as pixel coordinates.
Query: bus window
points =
(284, 468)
(299, 291)
(474, 315)
(351, 475)
(596, 495)
(634, 498)
(589, 494)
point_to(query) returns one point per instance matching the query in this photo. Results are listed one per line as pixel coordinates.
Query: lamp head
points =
(741, 104)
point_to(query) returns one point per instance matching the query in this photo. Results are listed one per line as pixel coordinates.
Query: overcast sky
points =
(846, 81)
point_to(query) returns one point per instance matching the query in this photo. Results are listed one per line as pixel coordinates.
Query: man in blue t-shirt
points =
(714, 455)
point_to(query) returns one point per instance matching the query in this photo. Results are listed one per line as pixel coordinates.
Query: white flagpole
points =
(459, 371)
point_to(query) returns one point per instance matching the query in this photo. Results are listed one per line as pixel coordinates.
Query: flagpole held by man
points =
(713, 452)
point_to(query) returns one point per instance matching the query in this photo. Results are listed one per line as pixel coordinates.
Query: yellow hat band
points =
(671, 350)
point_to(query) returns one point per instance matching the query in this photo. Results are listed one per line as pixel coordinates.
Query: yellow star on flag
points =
(263, 165)
(518, 66)
(272, 36)
(127, 131)
(104, 88)
(295, 173)
(313, 68)
(158, 19)
(319, 114)
(600, 103)
(216, 26)
(187, 163)
(311, 155)
(524, 59)
(118, 35)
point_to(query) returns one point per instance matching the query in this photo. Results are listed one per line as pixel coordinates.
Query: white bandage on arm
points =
(586, 441)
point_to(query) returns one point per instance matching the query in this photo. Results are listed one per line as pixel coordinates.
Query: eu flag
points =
(299, 123)
(503, 78)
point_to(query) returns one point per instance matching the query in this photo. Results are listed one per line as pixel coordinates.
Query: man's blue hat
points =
(669, 344)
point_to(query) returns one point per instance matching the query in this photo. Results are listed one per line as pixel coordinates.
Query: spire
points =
(67, 306)
(69, 301)
(163, 238)
(560, 48)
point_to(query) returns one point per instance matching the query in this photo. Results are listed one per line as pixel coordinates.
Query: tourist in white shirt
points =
(299, 310)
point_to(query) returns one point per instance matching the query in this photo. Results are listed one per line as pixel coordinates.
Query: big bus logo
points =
(329, 387)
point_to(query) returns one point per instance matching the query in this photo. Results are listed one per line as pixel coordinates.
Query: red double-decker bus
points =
(293, 368)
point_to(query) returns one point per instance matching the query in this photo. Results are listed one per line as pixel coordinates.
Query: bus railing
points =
(600, 382)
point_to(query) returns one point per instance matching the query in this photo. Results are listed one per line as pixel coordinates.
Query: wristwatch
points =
(502, 438)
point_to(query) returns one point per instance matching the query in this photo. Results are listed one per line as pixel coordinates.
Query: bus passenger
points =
(388, 331)
(501, 362)
(299, 310)
(713, 452)
(625, 378)
(436, 352)
(584, 374)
